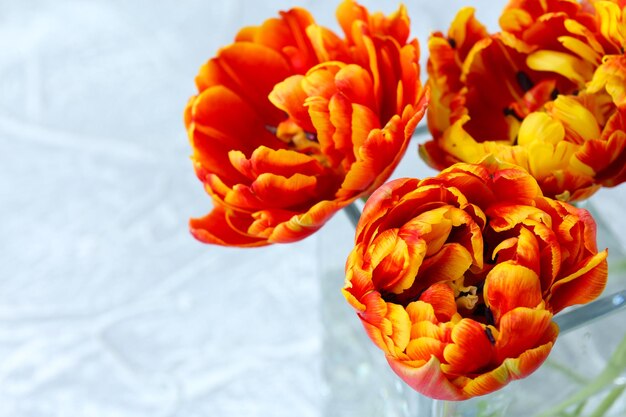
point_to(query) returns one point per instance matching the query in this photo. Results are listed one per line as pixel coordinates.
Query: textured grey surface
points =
(108, 307)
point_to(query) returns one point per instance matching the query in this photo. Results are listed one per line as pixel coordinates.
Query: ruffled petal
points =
(226, 229)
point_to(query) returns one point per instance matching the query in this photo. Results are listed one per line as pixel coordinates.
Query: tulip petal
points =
(509, 286)
(585, 284)
(420, 311)
(575, 69)
(216, 113)
(424, 348)
(217, 228)
(441, 298)
(427, 379)
(278, 191)
(303, 225)
(578, 121)
(289, 96)
(281, 162)
(470, 350)
(522, 329)
(240, 63)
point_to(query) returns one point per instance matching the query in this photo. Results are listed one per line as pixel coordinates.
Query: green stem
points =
(614, 367)
(608, 401)
(579, 409)
(566, 371)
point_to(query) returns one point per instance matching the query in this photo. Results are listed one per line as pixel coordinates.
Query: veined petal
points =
(611, 22)
(522, 329)
(424, 348)
(427, 379)
(427, 329)
(505, 217)
(220, 228)
(393, 268)
(401, 325)
(585, 284)
(509, 286)
(470, 350)
(450, 263)
(574, 69)
(487, 382)
(604, 159)
(539, 126)
(216, 113)
(578, 121)
(355, 83)
(240, 63)
(611, 75)
(303, 225)
(531, 359)
(289, 96)
(441, 297)
(547, 159)
(284, 162)
(581, 49)
(421, 311)
(466, 30)
(279, 191)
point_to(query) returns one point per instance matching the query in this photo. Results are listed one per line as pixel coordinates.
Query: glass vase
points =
(584, 376)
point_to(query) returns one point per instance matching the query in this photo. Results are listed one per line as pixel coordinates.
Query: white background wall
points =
(108, 307)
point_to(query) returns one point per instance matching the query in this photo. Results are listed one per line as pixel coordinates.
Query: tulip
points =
(517, 94)
(456, 278)
(292, 123)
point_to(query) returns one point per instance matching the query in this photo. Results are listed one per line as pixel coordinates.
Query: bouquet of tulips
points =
(456, 278)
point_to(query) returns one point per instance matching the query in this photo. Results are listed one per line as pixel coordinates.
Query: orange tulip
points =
(292, 123)
(512, 94)
(456, 278)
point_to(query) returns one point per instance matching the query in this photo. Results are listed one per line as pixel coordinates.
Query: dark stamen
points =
(479, 310)
(554, 94)
(489, 316)
(271, 129)
(510, 112)
(452, 42)
(311, 136)
(490, 336)
(524, 81)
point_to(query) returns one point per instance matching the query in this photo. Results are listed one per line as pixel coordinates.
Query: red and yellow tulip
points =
(523, 94)
(291, 123)
(456, 278)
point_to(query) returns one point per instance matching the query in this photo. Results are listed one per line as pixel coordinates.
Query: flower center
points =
(465, 296)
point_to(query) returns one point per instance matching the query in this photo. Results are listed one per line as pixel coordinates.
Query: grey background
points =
(108, 307)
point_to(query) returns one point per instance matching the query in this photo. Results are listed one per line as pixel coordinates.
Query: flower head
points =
(292, 123)
(553, 61)
(456, 278)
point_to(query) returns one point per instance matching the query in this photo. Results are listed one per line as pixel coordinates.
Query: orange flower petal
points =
(216, 113)
(585, 284)
(470, 350)
(509, 286)
(424, 348)
(220, 228)
(276, 191)
(522, 329)
(289, 96)
(303, 225)
(427, 379)
(441, 297)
